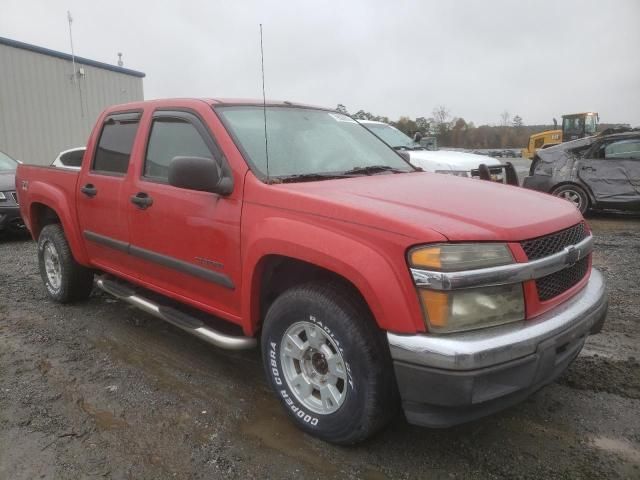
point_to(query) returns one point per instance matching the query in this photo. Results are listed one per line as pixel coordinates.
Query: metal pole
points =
(73, 56)
(74, 76)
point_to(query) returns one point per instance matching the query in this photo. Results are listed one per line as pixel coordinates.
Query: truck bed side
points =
(45, 193)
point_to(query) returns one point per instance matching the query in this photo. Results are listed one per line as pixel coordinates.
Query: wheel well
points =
(279, 273)
(41, 216)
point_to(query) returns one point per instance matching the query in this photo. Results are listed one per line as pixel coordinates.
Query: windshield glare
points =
(305, 141)
(391, 135)
(7, 164)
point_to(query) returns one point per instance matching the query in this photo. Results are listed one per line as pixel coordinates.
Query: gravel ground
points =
(100, 390)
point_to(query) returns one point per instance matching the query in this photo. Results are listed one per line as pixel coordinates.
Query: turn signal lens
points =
(428, 257)
(469, 309)
(460, 256)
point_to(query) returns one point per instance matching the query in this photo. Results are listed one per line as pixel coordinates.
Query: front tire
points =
(574, 194)
(64, 278)
(328, 363)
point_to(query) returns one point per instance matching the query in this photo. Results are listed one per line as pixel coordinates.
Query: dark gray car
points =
(10, 219)
(599, 172)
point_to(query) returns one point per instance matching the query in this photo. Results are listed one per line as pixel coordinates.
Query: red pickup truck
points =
(367, 283)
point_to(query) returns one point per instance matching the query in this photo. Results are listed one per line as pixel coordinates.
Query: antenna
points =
(74, 75)
(264, 106)
(73, 56)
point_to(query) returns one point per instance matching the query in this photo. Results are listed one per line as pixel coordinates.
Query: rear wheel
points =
(328, 363)
(64, 278)
(574, 194)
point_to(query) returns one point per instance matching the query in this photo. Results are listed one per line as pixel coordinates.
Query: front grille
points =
(554, 243)
(15, 197)
(559, 282)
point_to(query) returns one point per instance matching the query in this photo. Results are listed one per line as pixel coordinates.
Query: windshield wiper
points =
(409, 147)
(371, 169)
(306, 177)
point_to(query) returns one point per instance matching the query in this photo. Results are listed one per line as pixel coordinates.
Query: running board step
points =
(175, 317)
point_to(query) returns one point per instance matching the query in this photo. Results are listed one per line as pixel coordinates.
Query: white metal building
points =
(46, 108)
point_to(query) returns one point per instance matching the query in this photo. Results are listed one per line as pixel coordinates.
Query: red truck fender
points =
(370, 272)
(53, 197)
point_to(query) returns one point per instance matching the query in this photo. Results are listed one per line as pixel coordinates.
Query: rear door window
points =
(623, 150)
(115, 144)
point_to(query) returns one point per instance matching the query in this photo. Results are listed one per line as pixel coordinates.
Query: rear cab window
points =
(116, 141)
(72, 159)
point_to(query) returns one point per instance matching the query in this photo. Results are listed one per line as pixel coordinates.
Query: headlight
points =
(473, 308)
(470, 308)
(451, 257)
(457, 173)
(2, 196)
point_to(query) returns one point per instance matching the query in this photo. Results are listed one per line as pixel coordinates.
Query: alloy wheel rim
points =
(313, 368)
(571, 196)
(52, 266)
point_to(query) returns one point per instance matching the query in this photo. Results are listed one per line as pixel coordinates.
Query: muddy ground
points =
(100, 390)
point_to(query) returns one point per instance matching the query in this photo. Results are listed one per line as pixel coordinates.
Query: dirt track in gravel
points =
(100, 390)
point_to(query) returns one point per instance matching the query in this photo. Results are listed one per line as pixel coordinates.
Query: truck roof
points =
(213, 102)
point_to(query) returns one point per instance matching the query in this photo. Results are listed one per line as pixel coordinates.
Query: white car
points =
(438, 161)
(70, 159)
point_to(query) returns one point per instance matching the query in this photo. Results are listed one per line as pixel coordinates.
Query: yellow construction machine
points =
(574, 126)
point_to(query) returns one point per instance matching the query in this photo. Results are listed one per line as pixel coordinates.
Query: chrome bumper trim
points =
(492, 346)
(506, 274)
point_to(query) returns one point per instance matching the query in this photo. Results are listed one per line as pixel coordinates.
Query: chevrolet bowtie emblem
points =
(573, 255)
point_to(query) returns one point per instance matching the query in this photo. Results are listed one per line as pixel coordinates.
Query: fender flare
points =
(385, 285)
(55, 198)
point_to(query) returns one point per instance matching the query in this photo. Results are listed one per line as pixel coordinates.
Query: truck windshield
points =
(391, 135)
(304, 142)
(7, 164)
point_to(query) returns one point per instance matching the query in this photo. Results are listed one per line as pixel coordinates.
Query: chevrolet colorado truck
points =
(367, 283)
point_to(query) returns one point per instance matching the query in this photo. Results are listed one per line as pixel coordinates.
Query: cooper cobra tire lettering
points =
(283, 393)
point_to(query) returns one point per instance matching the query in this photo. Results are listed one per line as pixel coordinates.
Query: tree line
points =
(457, 132)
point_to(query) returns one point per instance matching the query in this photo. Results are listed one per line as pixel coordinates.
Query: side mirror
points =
(199, 173)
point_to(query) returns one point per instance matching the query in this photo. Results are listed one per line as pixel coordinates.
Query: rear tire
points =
(329, 363)
(574, 194)
(64, 278)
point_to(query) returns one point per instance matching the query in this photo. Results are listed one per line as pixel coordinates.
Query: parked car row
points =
(369, 284)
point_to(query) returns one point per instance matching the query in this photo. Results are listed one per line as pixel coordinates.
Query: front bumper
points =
(10, 219)
(445, 380)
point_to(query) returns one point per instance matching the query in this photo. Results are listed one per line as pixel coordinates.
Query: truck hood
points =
(7, 181)
(417, 205)
(448, 160)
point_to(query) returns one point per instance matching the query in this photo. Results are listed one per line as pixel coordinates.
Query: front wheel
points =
(328, 363)
(573, 194)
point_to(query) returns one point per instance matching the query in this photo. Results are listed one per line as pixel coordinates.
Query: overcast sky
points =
(538, 59)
